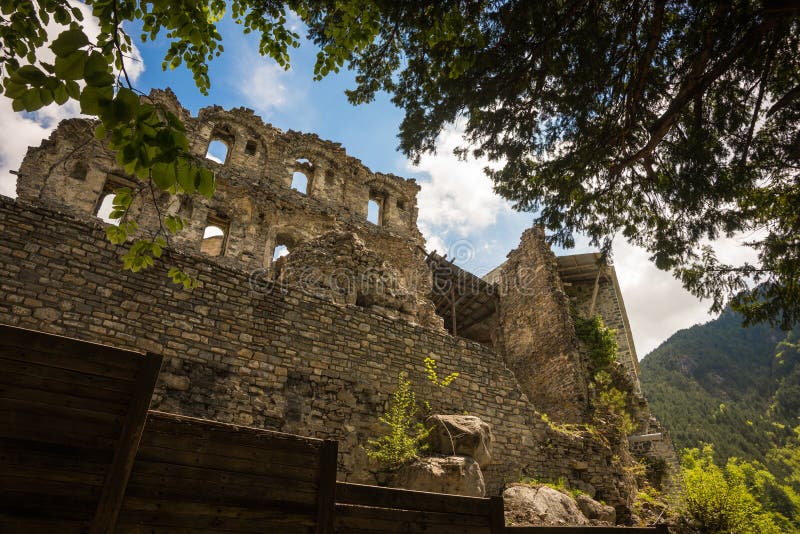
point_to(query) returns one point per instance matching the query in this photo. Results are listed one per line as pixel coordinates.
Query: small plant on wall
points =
(405, 437)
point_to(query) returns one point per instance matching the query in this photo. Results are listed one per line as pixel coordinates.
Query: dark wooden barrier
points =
(374, 510)
(661, 529)
(71, 416)
(193, 475)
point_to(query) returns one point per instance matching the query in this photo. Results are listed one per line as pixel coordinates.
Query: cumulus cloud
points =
(458, 198)
(23, 130)
(264, 85)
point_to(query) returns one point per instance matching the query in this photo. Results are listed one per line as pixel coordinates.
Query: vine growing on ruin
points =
(601, 346)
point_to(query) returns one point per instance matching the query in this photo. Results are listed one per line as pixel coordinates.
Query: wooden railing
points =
(79, 451)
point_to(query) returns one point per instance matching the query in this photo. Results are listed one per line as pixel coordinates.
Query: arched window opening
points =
(250, 148)
(304, 161)
(105, 201)
(375, 211)
(217, 151)
(215, 236)
(105, 207)
(279, 252)
(300, 182)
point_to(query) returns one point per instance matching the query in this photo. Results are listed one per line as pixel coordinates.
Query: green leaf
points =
(100, 132)
(60, 94)
(29, 74)
(14, 90)
(93, 99)
(96, 71)
(31, 100)
(68, 42)
(205, 182)
(71, 67)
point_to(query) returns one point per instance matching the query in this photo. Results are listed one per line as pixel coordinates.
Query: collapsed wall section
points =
(537, 333)
(273, 356)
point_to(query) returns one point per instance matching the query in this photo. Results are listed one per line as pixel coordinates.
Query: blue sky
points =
(459, 213)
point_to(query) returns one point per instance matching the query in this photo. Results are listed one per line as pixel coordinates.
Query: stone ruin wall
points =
(269, 343)
(279, 359)
(537, 334)
(254, 202)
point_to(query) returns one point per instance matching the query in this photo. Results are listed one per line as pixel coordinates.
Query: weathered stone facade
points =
(313, 342)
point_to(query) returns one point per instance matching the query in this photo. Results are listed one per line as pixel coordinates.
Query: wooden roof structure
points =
(461, 298)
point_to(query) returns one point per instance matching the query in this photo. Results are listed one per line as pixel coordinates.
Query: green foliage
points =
(405, 436)
(666, 123)
(433, 377)
(726, 500)
(600, 341)
(602, 347)
(753, 371)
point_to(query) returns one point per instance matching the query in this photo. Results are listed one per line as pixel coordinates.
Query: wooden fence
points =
(80, 452)
(370, 509)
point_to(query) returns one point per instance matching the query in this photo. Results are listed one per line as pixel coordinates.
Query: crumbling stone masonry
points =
(311, 342)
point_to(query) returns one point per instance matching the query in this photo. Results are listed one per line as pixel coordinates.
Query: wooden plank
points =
(58, 399)
(497, 517)
(351, 518)
(125, 452)
(218, 487)
(32, 502)
(77, 361)
(57, 432)
(31, 409)
(172, 424)
(264, 454)
(661, 529)
(225, 463)
(135, 505)
(12, 338)
(359, 494)
(40, 526)
(64, 375)
(40, 383)
(326, 498)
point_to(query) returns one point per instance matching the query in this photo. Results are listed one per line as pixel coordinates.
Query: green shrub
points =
(718, 499)
(404, 440)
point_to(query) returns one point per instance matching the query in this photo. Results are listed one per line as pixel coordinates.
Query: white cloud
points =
(656, 302)
(22, 130)
(264, 86)
(458, 198)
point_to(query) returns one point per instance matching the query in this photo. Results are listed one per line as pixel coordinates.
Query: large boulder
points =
(465, 435)
(594, 510)
(540, 505)
(457, 475)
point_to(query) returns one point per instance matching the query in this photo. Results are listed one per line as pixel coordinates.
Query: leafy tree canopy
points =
(670, 123)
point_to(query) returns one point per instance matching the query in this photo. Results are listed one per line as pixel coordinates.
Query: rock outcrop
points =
(457, 475)
(594, 510)
(464, 435)
(540, 505)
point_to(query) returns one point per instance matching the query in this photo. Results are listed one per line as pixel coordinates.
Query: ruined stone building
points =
(312, 342)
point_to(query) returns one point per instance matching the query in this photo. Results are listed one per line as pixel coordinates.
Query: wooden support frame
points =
(326, 502)
(110, 503)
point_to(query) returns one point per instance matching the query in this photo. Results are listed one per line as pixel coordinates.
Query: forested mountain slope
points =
(738, 388)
